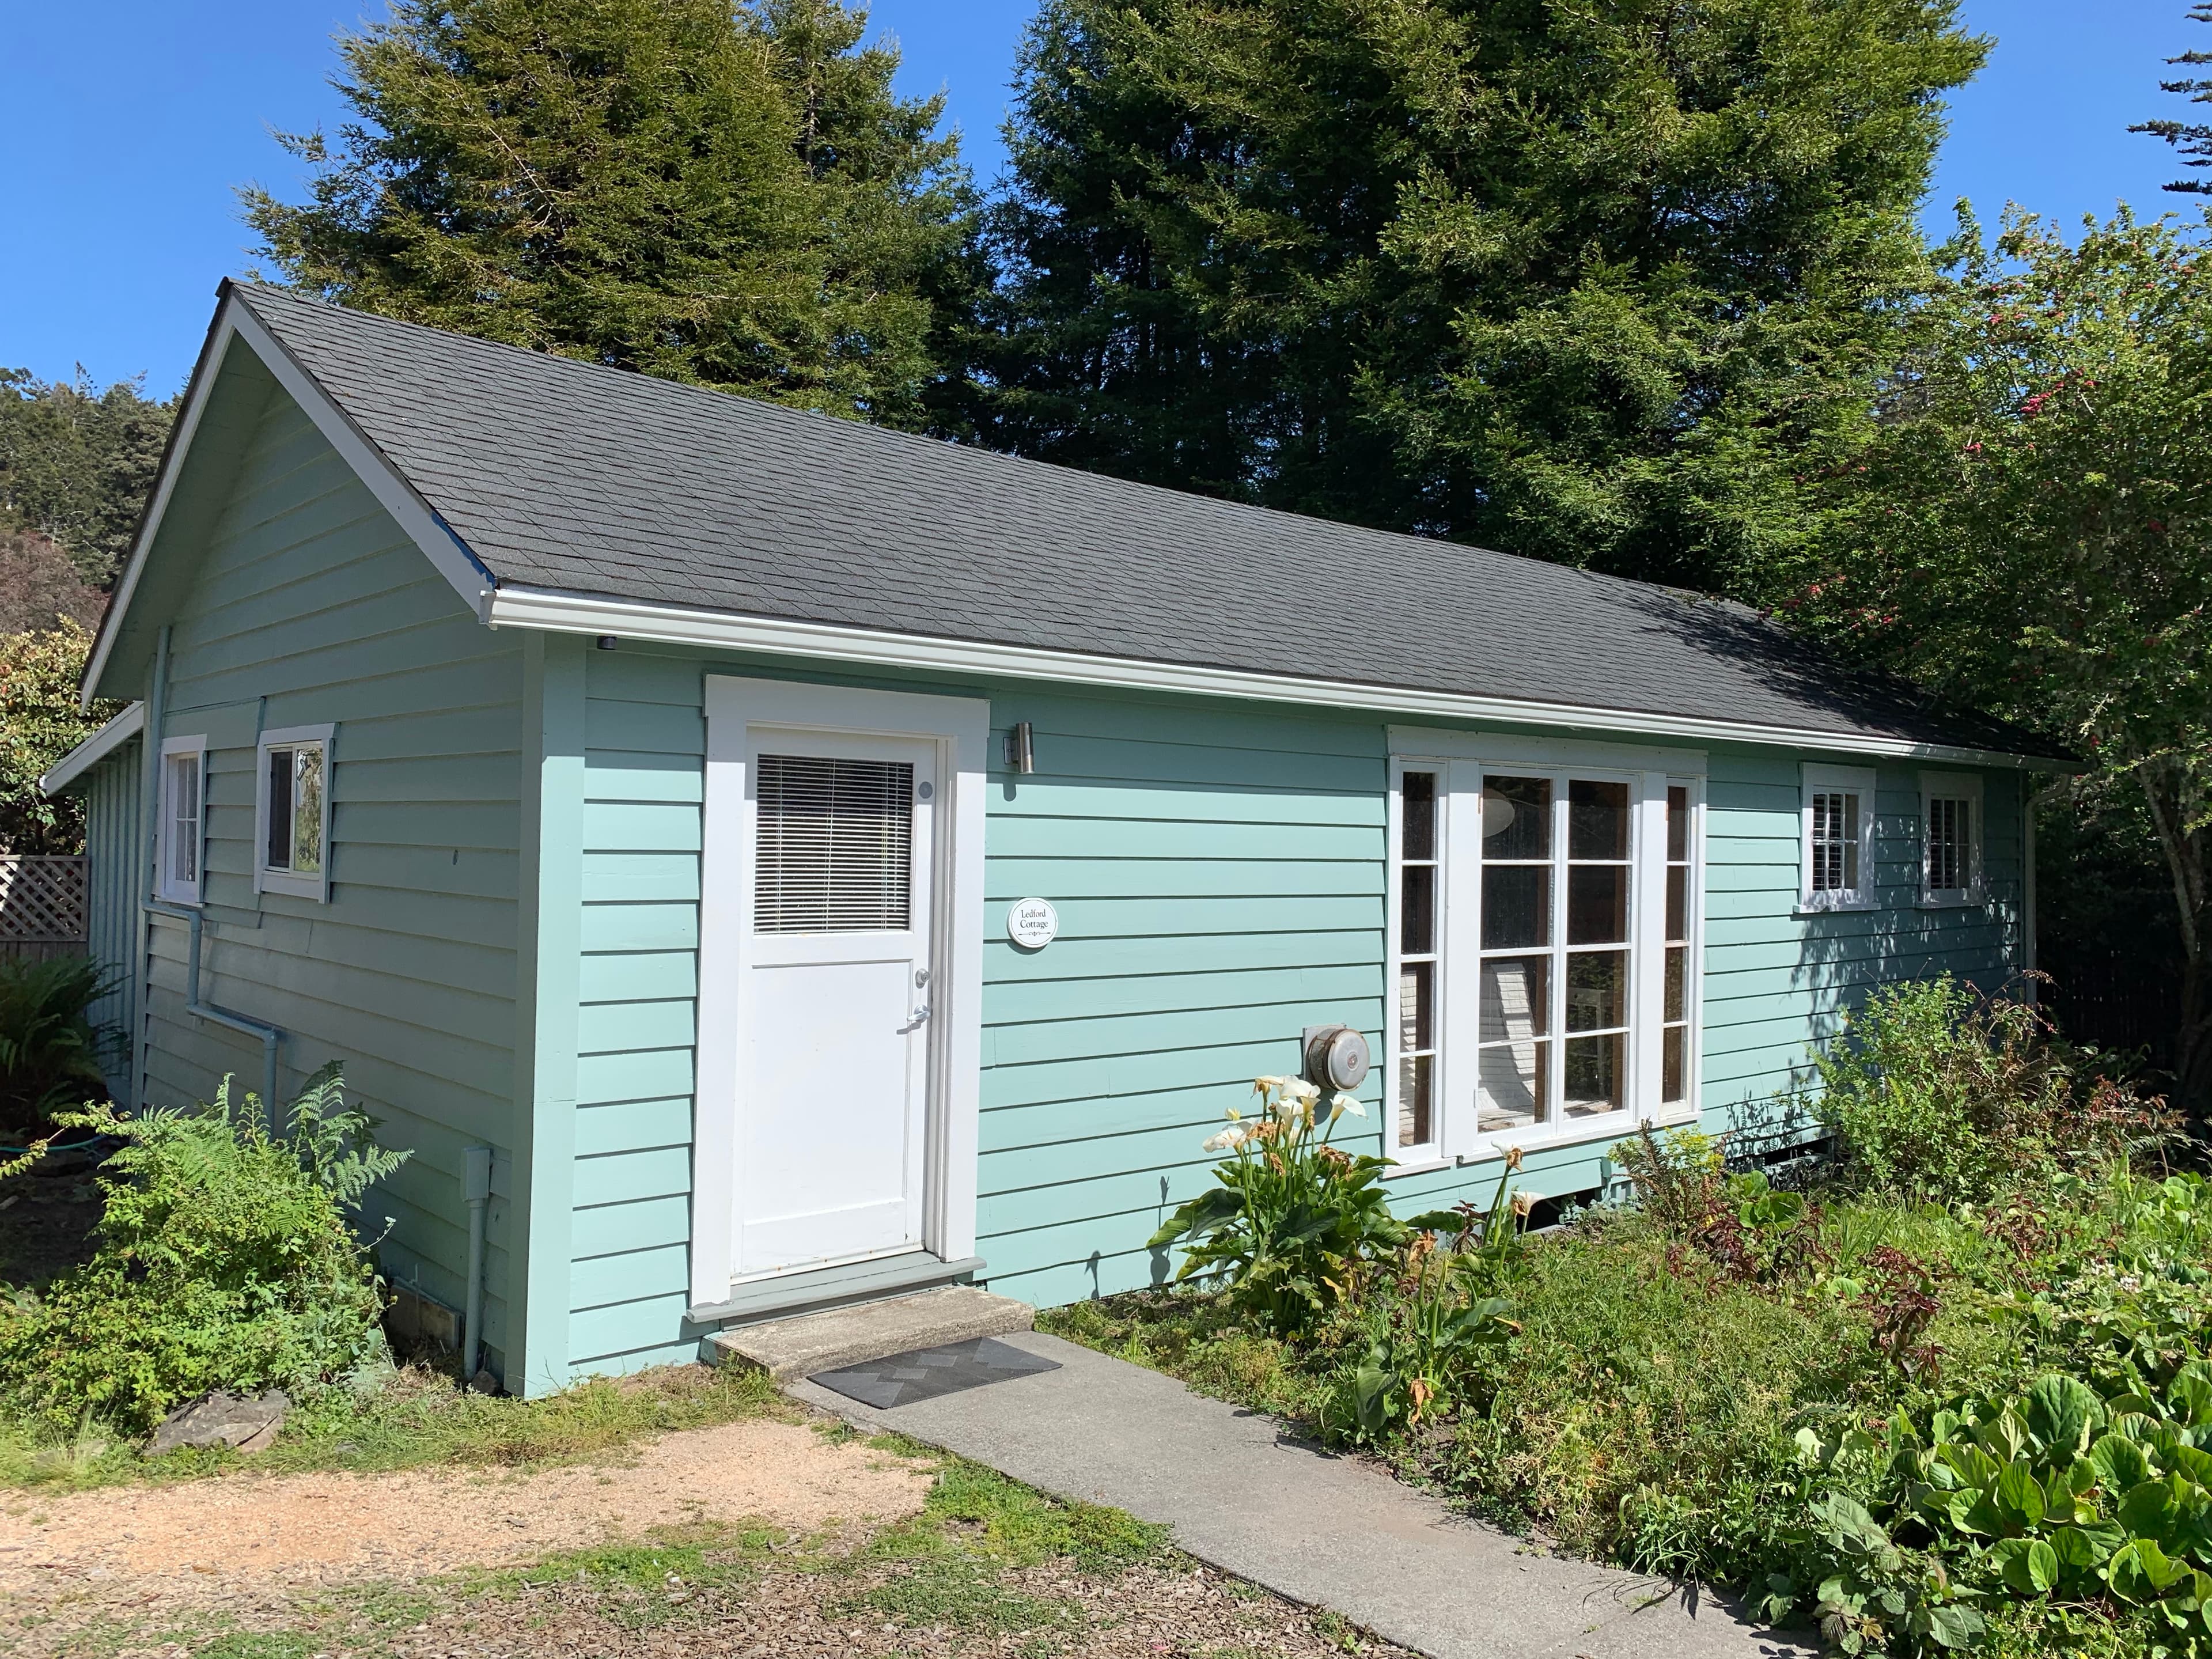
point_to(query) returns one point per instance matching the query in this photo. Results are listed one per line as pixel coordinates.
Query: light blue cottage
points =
(817, 861)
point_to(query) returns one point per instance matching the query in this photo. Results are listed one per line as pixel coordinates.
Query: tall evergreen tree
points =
(2192, 140)
(1568, 280)
(736, 198)
(76, 464)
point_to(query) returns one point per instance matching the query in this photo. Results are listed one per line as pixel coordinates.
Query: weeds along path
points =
(221, 1535)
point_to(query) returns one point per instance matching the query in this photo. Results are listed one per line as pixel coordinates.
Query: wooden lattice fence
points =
(45, 905)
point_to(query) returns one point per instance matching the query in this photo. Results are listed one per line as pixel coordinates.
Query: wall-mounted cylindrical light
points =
(1021, 748)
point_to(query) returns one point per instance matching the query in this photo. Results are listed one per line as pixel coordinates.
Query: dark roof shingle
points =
(582, 479)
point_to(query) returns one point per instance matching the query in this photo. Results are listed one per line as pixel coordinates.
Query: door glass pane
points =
(307, 810)
(1597, 904)
(1513, 1086)
(1596, 1075)
(1417, 909)
(1516, 817)
(1678, 902)
(1416, 1017)
(1597, 990)
(835, 851)
(1597, 819)
(1672, 1054)
(1417, 801)
(1678, 824)
(1678, 969)
(1517, 999)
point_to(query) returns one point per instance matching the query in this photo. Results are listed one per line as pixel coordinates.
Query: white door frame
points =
(961, 727)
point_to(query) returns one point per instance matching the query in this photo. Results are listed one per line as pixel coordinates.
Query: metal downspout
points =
(269, 1035)
(476, 1187)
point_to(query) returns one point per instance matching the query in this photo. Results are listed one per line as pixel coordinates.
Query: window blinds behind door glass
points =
(835, 852)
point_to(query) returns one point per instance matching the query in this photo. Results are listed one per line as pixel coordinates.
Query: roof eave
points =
(94, 750)
(577, 613)
(235, 320)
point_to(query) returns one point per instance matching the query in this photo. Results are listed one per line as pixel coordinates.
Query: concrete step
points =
(788, 1349)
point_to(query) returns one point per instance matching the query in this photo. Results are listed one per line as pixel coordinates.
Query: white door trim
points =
(962, 728)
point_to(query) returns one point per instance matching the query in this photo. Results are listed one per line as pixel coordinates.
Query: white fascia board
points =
(234, 322)
(94, 750)
(570, 613)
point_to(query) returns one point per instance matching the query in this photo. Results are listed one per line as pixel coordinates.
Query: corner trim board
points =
(570, 613)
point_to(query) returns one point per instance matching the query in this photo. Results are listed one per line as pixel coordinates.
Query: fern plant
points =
(49, 1050)
(223, 1259)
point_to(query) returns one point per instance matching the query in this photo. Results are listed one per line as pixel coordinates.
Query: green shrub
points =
(50, 1051)
(223, 1259)
(1943, 1095)
(1294, 1224)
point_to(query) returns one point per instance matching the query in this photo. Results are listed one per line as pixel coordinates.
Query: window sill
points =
(1968, 902)
(1857, 907)
(1424, 1166)
(292, 886)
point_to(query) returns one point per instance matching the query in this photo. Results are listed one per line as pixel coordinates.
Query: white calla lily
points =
(1344, 1103)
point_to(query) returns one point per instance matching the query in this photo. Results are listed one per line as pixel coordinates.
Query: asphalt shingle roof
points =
(581, 479)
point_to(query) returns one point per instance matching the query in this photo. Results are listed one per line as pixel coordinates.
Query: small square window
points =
(184, 810)
(1838, 839)
(293, 812)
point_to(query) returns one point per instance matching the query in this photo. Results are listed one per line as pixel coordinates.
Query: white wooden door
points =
(834, 1051)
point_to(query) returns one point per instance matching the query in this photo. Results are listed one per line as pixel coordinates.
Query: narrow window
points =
(1675, 1001)
(293, 812)
(183, 762)
(1417, 959)
(1837, 836)
(1950, 853)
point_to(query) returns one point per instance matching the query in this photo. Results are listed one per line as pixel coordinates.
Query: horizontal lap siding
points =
(114, 823)
(644, 770)
(1219, 877)
(309, 606)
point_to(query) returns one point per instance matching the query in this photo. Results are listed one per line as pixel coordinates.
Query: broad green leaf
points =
(2020, 1496)
(2085, 1547)
(2189, 1397)
(2028, 1564)
(2192, 1462)
(2121, 1464)
(2147, 1510)
(1954, 1626)
(2061, 1411)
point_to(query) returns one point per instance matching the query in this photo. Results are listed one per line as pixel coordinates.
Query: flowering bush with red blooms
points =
(2024, 524)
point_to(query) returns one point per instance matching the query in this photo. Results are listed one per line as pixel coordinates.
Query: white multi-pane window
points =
(1544, 951)
(292, 812)
(179, 845)
(1419, 974)
(1836, 835)
(1950, 838)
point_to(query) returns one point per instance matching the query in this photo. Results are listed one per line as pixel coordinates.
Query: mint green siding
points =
(114, 827)
(307, 604)
(517, 841)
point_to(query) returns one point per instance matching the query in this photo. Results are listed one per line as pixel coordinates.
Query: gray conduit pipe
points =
(476, 1187)
(270, 1035)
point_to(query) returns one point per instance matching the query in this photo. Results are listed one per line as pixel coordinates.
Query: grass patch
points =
(421, 1416)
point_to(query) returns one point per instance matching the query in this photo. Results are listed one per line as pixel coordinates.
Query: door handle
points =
(915, 1020)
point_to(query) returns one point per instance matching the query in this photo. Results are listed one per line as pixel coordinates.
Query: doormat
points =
(931, 1373)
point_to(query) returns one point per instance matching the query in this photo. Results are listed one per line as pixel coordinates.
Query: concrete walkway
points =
(1324, 1531)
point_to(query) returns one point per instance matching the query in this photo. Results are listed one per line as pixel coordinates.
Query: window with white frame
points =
(1837, 833)
(180, 846)
(292, 812)
(1544, 953)
(1950, 838)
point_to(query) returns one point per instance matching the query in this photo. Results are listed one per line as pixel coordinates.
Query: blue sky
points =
(125, 126)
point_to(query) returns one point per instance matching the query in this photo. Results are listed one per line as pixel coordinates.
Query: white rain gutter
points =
(570, 613)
